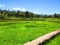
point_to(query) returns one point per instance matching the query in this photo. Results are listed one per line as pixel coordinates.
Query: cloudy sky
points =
(35, 6)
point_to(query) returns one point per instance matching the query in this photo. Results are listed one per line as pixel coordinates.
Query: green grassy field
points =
(20, 32)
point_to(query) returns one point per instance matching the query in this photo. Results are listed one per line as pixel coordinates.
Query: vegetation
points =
(6, 14)
(18, 33)
(17, 28)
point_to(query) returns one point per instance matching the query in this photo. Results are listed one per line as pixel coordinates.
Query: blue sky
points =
(35, 6)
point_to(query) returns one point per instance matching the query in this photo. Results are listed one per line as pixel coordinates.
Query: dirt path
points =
(42, 39)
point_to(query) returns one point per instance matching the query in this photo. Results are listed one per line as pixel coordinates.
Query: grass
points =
(20, 32)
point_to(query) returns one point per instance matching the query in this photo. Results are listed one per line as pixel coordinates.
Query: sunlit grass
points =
(18, 33)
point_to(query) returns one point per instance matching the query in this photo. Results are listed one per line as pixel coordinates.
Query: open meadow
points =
(20, 32)
(29, 22)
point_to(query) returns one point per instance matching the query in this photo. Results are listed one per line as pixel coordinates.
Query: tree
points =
(27, 14)
(2, 16)
(45, 16)
(50, 16)
(22, 15)
(31, 15)
(56, 16)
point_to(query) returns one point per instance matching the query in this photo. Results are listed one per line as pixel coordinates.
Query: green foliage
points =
(27, 14)
(5, 14)
(55, 15)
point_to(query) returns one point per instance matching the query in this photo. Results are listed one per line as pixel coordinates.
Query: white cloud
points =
(18, 8)
(14, 8)
(2, 5)
(23, 9)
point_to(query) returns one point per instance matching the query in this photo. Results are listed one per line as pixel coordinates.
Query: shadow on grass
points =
(48, 41)
(7, 24)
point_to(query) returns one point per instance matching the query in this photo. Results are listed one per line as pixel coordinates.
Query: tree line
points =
(4, 14)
